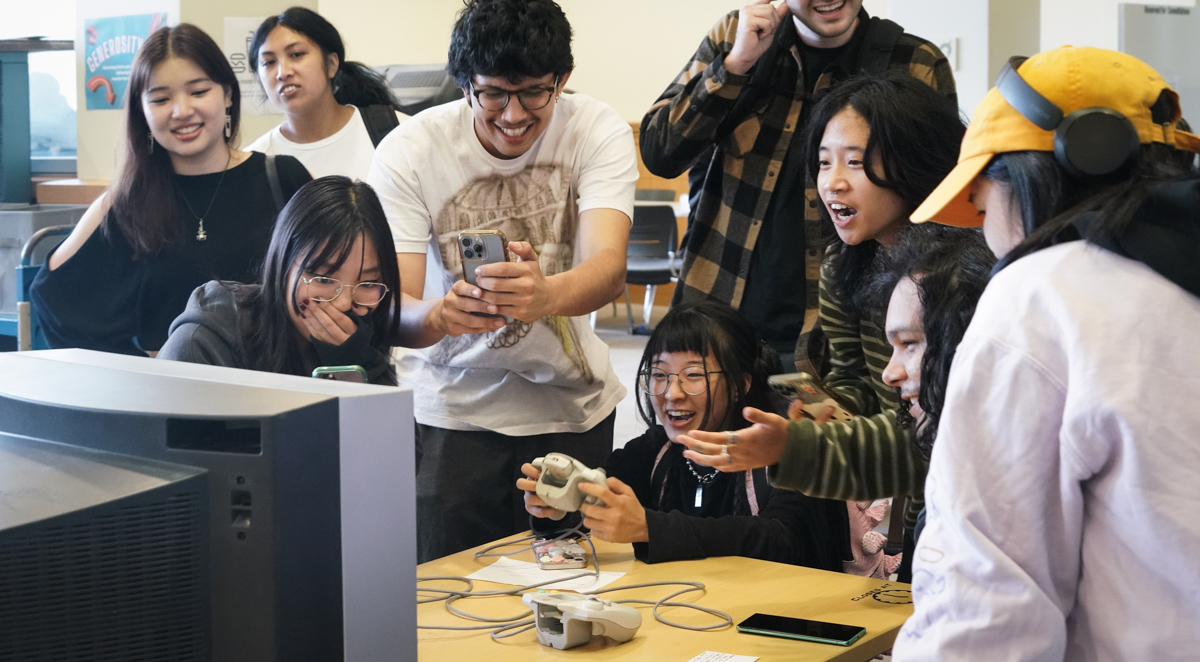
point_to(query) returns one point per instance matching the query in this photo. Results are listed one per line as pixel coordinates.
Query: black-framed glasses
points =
(324, 288)
(530, 98)
(693, 381)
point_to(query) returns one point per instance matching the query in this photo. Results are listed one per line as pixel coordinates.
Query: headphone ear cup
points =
(1096, 144)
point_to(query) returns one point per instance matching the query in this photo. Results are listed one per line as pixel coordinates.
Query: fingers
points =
(782, 10)
(459, 312)
(796, 410)
(531, 471)
(526, 484)
(326, 323)
(523, 250)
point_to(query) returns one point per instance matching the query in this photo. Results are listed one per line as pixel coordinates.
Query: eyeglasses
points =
(693, 381)
(324, 288)
(530, 98)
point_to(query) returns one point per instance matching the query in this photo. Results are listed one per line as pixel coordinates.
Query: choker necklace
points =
(201, 235)
(704, 480)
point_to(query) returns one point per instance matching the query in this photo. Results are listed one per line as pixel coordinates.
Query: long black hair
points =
(316, 230)
(354, 84)
(1049, 202)
(145, 200)
(950, 267)
(915, 135)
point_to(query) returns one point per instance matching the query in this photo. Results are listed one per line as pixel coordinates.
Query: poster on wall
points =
(239, 30)
(110, 44)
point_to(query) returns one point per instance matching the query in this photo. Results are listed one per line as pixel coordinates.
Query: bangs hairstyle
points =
(710, 327)
(144, 196)
(317, 230)
(354, 83)
(516, 39)
(915, 135)
(951, 267)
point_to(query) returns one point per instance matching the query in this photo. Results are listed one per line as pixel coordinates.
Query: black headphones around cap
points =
(1091, 144)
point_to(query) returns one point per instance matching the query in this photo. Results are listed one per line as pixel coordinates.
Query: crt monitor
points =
(159, 510)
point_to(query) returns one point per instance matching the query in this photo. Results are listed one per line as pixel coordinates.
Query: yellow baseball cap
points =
(1072, 79)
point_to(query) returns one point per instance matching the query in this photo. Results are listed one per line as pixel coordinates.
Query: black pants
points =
(466, 487)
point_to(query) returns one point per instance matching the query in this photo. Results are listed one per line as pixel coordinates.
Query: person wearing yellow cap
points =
(1060, 497)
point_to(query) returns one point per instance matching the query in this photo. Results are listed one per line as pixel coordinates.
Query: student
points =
(184, 208)
(325, 297)
(335, 111)
(1060, 517)
(878, 144)
(734, 116)
(701, 366)
(555, 173)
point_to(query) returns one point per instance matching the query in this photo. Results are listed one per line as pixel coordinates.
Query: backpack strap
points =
(273, 180)
(878, 43)
(379, 119)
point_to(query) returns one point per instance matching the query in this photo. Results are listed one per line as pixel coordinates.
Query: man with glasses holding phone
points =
(510, 368)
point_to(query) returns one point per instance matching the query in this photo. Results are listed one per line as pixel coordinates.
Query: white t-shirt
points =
(1062, 494)
(347, 152)
(435, 179)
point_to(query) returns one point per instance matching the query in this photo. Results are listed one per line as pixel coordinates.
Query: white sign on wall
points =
(239, 30)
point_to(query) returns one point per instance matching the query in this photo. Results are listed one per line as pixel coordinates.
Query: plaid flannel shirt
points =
(687, 120)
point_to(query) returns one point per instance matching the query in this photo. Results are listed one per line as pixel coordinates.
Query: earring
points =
(228, 125)
(150, 146)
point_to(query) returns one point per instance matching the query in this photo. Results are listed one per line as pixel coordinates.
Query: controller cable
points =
(524, 620)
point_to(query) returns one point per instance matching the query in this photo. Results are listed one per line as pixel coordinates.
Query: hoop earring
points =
(228, 125)
(150, 146)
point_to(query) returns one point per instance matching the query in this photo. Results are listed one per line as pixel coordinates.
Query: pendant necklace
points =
(201, 235)
(704, 480)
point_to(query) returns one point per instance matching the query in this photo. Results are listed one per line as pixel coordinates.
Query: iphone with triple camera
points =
(480, 247)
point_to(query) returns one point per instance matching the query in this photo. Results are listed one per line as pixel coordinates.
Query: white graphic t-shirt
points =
(435, 179)
(347, 152)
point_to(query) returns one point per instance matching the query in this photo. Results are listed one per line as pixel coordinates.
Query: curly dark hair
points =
(915, 136)
(951, 267)
(516, 39)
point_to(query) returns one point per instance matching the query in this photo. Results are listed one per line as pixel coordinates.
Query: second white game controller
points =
(566, 620)
(559, 483)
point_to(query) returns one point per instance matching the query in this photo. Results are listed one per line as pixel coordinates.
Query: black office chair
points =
(653, 239)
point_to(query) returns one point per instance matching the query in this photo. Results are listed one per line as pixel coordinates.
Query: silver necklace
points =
(703, 480)
(201, 235)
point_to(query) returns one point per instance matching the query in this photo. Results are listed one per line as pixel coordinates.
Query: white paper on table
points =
(523, 573)
(712, 656)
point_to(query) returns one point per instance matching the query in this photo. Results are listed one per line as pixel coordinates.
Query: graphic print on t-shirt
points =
(531, 205)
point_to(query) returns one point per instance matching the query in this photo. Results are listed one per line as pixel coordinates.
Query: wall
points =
(1086, 22)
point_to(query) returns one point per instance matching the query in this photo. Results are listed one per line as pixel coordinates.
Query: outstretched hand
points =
(622, 518)
(759, 445)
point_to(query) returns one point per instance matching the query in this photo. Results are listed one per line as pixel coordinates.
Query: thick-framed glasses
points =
(324, 288)
(693, 381)
(530, 98)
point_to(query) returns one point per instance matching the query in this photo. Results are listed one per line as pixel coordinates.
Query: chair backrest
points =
(29, 331)
(654, 231)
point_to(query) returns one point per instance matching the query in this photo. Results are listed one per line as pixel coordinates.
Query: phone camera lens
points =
(466, 241)
(478, 248)
(468, 253)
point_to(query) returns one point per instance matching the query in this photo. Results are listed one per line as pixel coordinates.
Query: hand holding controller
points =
(558, 485)
(566, 620)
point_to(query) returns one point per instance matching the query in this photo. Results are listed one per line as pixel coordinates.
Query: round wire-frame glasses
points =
(324, 288)
(693, 381)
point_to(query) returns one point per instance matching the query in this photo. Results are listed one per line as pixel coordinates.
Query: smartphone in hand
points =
(480, 247)
(813, 395)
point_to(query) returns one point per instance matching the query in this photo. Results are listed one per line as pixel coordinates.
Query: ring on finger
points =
(733, 437)
(725, 454)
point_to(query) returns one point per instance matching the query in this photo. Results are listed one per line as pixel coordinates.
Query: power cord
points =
(508, 625)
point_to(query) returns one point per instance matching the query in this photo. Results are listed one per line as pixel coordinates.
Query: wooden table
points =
(736, 586)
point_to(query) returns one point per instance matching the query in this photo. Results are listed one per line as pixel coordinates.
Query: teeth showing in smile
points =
(677, 415)
(829, 8)
(186, 129)
(287, 89)
(519, 131)
(842, 211)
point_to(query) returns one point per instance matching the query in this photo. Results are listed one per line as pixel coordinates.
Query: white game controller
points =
(567, 620)
(559, 483)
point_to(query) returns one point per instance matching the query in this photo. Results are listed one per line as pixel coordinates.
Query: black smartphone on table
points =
(801, 629)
